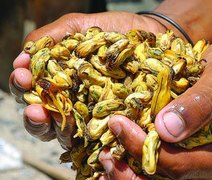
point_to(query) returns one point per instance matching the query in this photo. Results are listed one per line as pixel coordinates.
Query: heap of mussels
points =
(100, 74)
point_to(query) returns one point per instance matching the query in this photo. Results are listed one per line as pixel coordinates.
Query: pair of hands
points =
(178, 120)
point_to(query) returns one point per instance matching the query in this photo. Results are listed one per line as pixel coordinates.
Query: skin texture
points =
(173, 162)
(193, 16)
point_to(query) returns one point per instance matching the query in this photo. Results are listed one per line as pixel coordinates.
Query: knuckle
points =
(195, 107)
(203, 102)
(177, 176)
(177, 171)
(183, 174)
(31, 35)
(48, 137)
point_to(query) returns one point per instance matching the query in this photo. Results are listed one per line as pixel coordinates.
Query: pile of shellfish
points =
(96, 75)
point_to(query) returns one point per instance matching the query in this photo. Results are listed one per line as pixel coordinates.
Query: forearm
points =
(194, 16)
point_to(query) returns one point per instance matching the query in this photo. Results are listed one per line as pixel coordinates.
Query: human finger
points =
(22, 61)
(21, 77)
(127, 132)
(37, 122)
(174, 162)
(20, 81)
(189, 112)
(117, 169)
(64, 137)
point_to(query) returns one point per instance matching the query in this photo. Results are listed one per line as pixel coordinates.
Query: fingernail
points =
(174, 123)
(115, 128)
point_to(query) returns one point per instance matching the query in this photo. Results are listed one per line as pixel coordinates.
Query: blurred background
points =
(17, 19)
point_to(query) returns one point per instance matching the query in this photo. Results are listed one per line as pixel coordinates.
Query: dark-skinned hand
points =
(178, 120)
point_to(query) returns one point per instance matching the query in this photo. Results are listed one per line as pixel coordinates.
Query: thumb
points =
(189, 112)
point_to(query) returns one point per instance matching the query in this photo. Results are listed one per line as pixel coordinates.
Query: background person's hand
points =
(38, 121)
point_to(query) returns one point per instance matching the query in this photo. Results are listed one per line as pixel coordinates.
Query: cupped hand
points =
(174, 162)
(38, 121)
(178, 120)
